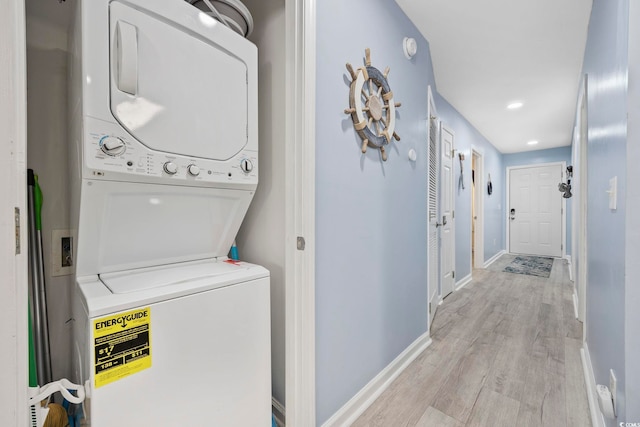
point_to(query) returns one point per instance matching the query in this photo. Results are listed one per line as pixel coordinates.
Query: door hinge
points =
(453, 214)
(429, 308)
(301, 243)
(17, 226)
(453, 274)
(561, 246)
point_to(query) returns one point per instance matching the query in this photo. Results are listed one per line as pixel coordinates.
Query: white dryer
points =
(163, 110)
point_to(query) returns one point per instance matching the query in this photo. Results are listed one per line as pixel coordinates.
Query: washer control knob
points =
(112, 145)
(193, 170)
(246, 165)
(170, 168)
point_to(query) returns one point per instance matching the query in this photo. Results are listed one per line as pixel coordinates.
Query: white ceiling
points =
(489, 53)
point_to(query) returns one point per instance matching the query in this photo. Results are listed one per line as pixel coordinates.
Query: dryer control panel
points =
(110, 152)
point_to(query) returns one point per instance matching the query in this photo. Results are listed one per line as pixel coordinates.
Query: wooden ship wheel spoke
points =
(371, 106)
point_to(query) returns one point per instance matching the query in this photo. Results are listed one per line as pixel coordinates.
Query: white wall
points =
(261, 239)
(13, 267)
(47, 155)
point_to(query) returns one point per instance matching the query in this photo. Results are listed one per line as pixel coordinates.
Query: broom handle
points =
(38, 296)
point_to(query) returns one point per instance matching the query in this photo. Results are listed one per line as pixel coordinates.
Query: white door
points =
(446, 217)
(535, 210)
(432, 178)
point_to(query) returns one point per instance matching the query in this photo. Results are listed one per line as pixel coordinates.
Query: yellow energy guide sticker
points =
(122, 345)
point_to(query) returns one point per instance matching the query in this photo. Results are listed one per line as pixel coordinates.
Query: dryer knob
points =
(193, 170)
(170, 168)
(112, 145)
(246, 165)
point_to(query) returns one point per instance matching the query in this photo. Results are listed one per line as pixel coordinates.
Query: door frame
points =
(432, 281)
(479, 208)
(563, 216)
(300, 134)
(443, 127)
(13, 183)
(579, 220)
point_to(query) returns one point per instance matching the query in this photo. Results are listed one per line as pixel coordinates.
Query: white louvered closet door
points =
(432, 254)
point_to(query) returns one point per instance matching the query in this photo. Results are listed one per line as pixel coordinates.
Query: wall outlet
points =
(613, 387)
(62, 252)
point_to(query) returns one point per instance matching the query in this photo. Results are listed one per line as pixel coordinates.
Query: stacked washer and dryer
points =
(163, 109)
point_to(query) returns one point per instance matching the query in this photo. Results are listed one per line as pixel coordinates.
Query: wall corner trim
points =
(494, 258)
(463, 282)
(597, 419)
(370, 392)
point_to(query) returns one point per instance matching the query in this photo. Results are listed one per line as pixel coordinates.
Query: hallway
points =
(505, 352)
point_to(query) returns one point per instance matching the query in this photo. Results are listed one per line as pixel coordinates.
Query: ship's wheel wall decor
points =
(371, 106)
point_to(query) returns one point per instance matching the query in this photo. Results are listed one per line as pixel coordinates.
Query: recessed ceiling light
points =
(515, 105)
(532, 142)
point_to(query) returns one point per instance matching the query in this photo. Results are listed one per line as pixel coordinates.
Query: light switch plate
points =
(613, 193)
(62, 252)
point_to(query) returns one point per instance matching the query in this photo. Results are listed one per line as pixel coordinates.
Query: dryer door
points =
(173, 89)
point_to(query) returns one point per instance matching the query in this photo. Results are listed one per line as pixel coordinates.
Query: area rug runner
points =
(530, 265)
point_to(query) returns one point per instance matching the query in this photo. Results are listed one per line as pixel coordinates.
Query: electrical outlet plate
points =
(613, 386)
(62, 252)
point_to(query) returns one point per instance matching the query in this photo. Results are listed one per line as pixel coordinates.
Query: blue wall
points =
(606, 63)
(632, 289)
(371, 216)
(466, 137)
(551, 155)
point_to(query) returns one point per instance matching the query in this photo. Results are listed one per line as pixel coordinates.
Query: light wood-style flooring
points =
(505, 352)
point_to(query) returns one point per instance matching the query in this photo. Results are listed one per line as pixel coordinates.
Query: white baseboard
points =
(463, 282)
(494, 258)
(279, 412)
(370, 392)
(569, 266)
(597, 419)
(575, 303)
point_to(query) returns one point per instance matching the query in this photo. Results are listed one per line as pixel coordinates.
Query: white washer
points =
(164, 164)
(205, 336)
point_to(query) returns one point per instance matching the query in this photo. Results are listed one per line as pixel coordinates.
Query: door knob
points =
(512, 214)
(443, 223)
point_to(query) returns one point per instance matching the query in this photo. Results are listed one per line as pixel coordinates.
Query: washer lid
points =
(174, 274)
